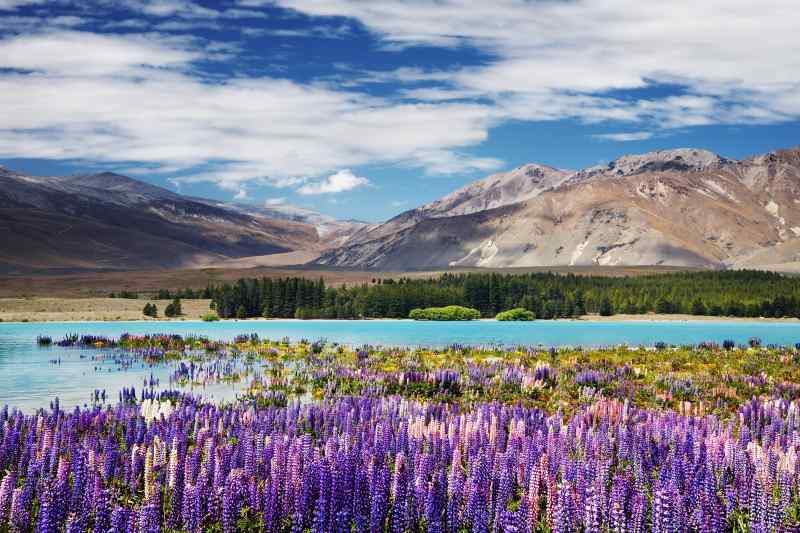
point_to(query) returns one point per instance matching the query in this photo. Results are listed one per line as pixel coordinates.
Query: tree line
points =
(740, 293)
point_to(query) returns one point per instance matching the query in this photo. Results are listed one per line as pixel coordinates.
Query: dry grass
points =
(654, 317)
(88, 309)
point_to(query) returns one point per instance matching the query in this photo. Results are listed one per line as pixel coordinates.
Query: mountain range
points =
(681, 207)
(111, 222)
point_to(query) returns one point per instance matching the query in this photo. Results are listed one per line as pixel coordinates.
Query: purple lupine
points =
(46, 516)
(564, 511)
(149, 519)
(119, 519)
(370, 463)
(591, 511)
(7, 486)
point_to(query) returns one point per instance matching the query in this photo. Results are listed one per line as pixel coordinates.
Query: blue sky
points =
(365, 109)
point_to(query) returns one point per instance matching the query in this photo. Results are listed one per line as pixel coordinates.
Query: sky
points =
(363, 109)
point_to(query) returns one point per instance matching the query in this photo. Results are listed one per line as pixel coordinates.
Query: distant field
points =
(97, 284)
(71, 309)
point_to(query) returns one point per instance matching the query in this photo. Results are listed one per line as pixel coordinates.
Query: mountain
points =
(332, 231)
(493, 191)
(683, 207)
(110, 221)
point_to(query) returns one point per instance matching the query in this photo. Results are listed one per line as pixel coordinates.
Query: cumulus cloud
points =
(137, 99)
(554, 60)
(73, 54)
(342, 181)
(143, 98)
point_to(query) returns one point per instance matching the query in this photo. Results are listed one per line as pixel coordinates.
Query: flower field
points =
(333, 438)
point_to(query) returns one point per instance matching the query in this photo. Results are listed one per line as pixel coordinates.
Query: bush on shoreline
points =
(173, 309)
(150, 310)
(450, 312)
(518, 314)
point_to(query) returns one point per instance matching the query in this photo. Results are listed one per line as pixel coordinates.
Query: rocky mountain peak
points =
(678, 159)
(537, 171)
(519, 184)
(789, 156)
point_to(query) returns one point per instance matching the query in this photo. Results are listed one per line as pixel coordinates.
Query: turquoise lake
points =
(30, 376)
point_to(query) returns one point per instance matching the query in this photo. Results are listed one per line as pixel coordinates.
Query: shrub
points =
(125, 294)
(451, 312)
(516, 314)
(173, 309)
(303, 313)
(150, 310)
(210, 317)
(606, 308)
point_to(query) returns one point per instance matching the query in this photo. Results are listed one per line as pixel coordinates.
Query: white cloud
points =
(554, 60)
(342, 181)
(186, 9)
(241, 194)
(166, 8)
(625, 137)
(141, 99)
(71, 53)
(136, 99)
(272, 202)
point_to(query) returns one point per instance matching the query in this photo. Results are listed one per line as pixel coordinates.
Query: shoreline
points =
(87, 310)
(585, 319)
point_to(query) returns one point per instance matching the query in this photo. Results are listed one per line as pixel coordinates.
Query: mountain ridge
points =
(110, 221)
(680, 207)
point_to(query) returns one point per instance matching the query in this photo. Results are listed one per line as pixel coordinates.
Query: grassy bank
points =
(88, 309)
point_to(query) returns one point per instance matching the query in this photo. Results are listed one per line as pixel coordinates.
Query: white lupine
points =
(154, 409)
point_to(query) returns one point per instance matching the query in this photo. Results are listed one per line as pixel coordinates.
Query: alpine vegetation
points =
(331, 438)
(393, 464)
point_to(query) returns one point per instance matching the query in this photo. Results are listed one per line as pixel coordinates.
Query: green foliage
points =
(125, 294)
(150, 310)
(173, 309)
(606, 307)
(303, 313)
(450, 312)
(184, 294)
(516, 314)
(546, 295)
(210, 317)
(699, 308)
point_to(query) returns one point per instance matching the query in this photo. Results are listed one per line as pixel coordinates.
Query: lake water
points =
(28, 378)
